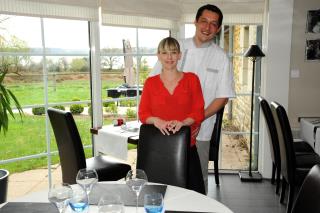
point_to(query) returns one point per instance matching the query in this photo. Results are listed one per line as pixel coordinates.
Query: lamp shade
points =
(254, 51)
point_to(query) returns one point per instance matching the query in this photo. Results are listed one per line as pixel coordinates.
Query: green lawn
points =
(29, 137)
(32, 93)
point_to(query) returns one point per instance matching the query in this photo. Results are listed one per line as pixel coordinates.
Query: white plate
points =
(129, 128)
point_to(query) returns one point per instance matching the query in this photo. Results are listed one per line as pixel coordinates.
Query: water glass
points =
(60, 195)
(153, 203)
(110, 203)
(79, 201)
(87, 178)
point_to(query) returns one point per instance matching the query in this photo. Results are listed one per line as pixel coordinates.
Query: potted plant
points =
(3, 185)
(6, 96)
(6, 99)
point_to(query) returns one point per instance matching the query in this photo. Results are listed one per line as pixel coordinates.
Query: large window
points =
(47, 61)
(234, 147)
(127, 56)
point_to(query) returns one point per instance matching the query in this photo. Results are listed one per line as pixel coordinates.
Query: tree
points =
(79, 65)
(13, 63)
(144, 65)
(109, 61)
(62, 64)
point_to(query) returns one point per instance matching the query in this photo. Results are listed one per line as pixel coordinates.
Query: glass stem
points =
(137, 203)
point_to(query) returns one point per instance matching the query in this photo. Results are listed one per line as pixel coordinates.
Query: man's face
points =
(207, 26)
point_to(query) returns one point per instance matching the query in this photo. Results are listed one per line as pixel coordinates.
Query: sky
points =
(73, 34)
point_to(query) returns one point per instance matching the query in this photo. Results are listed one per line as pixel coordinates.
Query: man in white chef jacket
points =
(211, 64)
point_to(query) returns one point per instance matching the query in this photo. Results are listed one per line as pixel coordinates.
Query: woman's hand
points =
(175, 126)
(162, 125)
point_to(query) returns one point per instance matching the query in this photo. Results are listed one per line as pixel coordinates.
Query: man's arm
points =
(214, 107)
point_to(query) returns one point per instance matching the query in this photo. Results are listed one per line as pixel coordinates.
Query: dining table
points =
(310, 132)
(176, 199)
(113, 140)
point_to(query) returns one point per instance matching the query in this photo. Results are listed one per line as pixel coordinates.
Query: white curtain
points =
(70, 9)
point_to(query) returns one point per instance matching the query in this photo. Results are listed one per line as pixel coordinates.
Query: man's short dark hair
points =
(211, 8)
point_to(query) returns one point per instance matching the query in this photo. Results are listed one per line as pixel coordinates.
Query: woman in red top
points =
(174, 99)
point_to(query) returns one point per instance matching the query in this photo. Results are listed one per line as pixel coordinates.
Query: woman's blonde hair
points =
(169, 44)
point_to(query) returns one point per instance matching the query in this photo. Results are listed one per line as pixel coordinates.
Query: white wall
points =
(304, 92)
(275, 67)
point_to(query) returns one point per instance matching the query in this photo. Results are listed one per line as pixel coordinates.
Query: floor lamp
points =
(254, 53)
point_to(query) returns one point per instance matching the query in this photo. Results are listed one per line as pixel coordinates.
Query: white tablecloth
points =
(310, 132)
(176, 199)
(113, 140)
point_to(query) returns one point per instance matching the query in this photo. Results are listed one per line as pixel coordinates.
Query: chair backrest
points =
(164, 158)
(215, 137)
(287, 155)
(272, 130)
(308, 196)
(72, 157)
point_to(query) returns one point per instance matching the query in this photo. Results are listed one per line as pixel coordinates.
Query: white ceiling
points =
(173, 9)
(227, 6)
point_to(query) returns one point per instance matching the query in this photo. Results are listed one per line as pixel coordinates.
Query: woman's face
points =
(169, 59)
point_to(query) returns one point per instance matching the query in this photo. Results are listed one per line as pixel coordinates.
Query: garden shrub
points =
(76, 109)
(106, 104)
(61, 107)
(128, 103)
(90, 110)
(131, 113)
(112, 108)
(38, 110)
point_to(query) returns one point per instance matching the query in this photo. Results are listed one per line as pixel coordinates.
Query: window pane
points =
(190, 30)
(150, 38)
(111, 39)
(21, 30)
(68, 79)
(69, 35)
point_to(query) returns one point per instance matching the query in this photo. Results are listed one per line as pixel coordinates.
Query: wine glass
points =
(79, 201)
(110, 203)
(60, 195)
(87, 178)
(135, 180)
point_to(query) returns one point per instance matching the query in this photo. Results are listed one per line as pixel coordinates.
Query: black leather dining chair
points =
(308, 196)
(164, 158)
(299, 147)
(215, 144)
(294, 167)
(72, 156)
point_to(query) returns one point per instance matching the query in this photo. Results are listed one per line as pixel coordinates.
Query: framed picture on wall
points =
(313, 49)
(313, 21)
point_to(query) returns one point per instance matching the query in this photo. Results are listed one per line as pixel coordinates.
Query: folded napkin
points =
(126, 194)
(28, 207)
